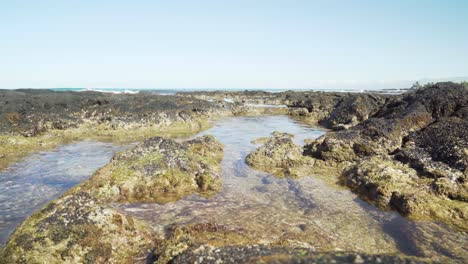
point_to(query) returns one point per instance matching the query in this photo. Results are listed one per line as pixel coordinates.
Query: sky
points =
(231, 44)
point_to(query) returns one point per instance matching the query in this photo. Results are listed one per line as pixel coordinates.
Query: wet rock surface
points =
(78, 228)
(410, 155)
(160, 169)
(332, 110)
(280, 156)
(33, 120)
(266, 254)
(81, 226)
(31, 112)
(405, 152)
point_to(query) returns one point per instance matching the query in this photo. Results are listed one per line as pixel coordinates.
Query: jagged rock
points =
(393, 185)
(445, 141)
(298, 111)
(34, 111)
(410, 155)
(77, 228)
(279, 156)
(352, 110)
(406, 114)
(377, 178)
(160, 169)
(81, 226)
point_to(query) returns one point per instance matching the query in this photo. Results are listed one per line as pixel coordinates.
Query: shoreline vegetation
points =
(407, 153)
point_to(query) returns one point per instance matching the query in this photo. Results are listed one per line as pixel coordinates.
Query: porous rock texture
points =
(159, 169)
(30, 112)
(280, 156)
(268, 254)
(407, 152)
(411, 155)
(81, 226)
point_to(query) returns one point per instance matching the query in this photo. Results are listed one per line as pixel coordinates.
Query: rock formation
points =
(82, 226)
(279, 156)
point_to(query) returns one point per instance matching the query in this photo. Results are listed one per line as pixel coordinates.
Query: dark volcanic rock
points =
(410, 155)
(333, 110)
(352, 110)
(446, 141)
(399, 117)
(32, 111)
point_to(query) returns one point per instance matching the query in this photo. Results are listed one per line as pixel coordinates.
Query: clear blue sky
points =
(238, 44)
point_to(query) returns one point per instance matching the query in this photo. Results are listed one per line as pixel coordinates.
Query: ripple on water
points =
(28, 185)
(305, 212)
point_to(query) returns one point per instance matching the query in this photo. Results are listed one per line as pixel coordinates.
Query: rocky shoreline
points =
(408, 153)
(34, 120)
(81, 225)
(405, 152)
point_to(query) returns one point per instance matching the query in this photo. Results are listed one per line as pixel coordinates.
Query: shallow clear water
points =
(307, 212)
(28, 185)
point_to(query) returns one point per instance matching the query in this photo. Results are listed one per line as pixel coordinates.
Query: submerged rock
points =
(279, 156)
(406, 153)
(160, 169)
(83, 227)
(272, 254)
(411, 155)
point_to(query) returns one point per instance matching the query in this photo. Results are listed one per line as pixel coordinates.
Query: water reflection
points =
(28, 185)
(305, 212)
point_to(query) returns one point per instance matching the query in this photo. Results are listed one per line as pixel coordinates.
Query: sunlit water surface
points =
(305, 212)
(28, 185)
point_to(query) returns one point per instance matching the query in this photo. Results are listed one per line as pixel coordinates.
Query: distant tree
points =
(415, 86)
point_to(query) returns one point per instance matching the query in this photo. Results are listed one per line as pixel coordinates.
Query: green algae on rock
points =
(393, 185)
(81, 226)
(409, 156)
(158, 170)
(77, 228)
(279, 156)
(15, 147)
(35, 120)
(275, 254)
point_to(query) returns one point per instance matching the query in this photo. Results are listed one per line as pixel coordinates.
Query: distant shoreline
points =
(182, 90)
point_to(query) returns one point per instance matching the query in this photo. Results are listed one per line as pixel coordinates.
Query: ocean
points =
(163, 91)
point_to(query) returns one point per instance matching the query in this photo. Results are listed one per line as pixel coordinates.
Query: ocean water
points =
(163, 91)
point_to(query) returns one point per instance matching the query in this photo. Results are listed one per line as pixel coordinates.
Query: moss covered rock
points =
(159, 170)
(279, 156)
(82, 226)
(272, 254)
(77, 228)
(409, 154)
(393, 185)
